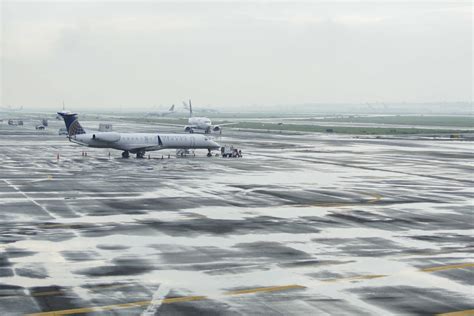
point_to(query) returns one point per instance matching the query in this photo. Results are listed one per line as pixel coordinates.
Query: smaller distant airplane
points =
(163, 113)
(201, 123)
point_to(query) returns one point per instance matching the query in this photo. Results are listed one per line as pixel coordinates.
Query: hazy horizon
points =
(441, 108)
(234, 55)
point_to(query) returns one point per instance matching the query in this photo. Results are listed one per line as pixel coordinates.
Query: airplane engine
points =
(216, 128)
(188, 129)
(106, 137)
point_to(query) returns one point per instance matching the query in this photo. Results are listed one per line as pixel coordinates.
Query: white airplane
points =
(163, 113)
(137, 143)
(201, 123)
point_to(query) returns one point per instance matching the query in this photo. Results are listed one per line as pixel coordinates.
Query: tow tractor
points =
(230, 152)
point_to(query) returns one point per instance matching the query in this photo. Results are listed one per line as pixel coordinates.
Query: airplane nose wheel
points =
(209, 153)
(125, 154)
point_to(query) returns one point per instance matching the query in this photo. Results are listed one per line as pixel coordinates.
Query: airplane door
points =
(193, 142)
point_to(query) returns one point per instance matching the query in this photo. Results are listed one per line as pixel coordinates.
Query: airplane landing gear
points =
(209, 153)
(140, 154)
(126, 154)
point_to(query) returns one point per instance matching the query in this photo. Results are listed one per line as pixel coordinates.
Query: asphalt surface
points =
(301, 225)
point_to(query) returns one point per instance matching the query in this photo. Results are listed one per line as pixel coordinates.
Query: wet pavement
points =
(302, 224)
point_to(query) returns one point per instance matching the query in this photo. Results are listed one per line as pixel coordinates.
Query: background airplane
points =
(163, 113)
(137, 143)
(201, 123)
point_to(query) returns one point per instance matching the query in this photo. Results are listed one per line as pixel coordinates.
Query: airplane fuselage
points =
(200, 122)
(134, 142)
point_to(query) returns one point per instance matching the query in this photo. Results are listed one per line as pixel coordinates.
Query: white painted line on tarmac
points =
(26, 196)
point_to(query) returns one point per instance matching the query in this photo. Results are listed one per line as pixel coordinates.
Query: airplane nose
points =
(214, 144)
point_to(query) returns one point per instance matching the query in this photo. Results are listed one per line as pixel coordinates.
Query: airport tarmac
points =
(306, 224)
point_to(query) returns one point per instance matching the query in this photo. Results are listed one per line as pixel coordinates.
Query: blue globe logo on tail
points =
(72, 124)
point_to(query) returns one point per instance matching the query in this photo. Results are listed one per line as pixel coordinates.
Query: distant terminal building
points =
(105, 127)
(15, 122)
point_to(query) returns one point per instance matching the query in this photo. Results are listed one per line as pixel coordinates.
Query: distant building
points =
(105, 127)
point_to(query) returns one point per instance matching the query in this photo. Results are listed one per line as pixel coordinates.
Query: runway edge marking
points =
(27, 197)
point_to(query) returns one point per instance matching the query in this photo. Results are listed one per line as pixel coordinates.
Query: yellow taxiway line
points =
(469, 312)
(427, 270)
(164, 301)
(449, 267)
(266, 289)
(357, 277)
(238, 292)
(118, 306)
(183, 299)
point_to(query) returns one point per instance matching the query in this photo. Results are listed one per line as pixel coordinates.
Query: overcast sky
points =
(234, 54)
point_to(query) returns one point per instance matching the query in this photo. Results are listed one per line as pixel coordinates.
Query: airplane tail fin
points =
(72, 124)
(189, 107)
(171, 108)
